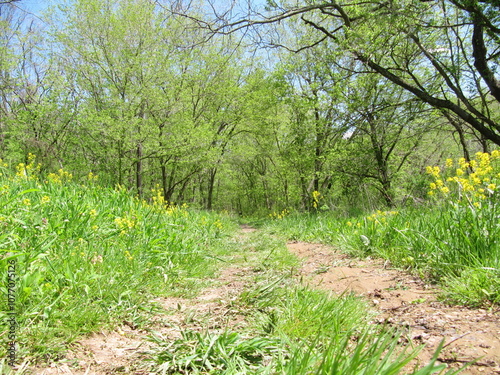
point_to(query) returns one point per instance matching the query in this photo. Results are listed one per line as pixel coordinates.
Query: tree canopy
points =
(297, 104)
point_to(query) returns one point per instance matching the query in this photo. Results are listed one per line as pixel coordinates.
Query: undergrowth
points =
(88, 257)
(454, 239)
(84, 256)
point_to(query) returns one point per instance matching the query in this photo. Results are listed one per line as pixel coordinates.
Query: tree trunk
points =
(138, 171)
(211, 182)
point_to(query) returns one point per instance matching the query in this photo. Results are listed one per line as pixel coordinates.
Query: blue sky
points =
(33, 6)
(37, 6)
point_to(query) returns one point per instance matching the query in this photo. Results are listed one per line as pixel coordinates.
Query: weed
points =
(225, 353)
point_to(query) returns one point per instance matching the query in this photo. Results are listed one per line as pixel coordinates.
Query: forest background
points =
(298, 114)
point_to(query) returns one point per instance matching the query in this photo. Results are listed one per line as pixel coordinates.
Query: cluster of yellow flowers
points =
(128, 255)
(4, 165)
(218, 224)
(28, 171)
(125, 224)
(316, 197)
(92, 177)
(160, 202)
(350, 224)
(59, 177)
(279, 215)
(175, 209)
(4, 189)
(380, 217)
(475, 180)
(158, 198)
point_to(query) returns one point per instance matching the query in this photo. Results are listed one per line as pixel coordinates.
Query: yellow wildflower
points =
(463, 163)
(125, 223)
(467, 187)
(316, 197)
(218, 224)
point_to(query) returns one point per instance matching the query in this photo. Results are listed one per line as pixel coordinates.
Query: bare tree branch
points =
(480, 60)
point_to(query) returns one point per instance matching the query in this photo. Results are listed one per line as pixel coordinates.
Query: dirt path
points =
(397, 298)
(405, 301)
(127, 349)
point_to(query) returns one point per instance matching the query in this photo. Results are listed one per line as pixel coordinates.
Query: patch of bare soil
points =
(406, 301)
(102, 353)
(126, 350)
(247, 228)
(214, 309)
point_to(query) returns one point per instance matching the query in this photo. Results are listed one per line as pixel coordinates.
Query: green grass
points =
(295, 331)
(454, 239)
(292, 329)
(86, 257)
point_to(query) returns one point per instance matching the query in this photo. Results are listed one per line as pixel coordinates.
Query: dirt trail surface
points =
(397, 298)
(127, 349)
(406, 301)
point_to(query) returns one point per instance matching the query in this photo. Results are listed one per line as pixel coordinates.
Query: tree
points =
(407, 42)
(387, 126)
(153, 108)
(317, 121)
(131, 72)
(26, 97)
